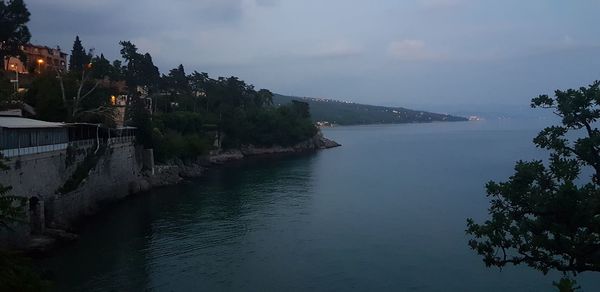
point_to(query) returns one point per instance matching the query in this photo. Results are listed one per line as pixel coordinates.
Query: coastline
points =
(172, 173)
(176, 171)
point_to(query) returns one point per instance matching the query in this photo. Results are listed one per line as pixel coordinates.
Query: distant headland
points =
(335, 112)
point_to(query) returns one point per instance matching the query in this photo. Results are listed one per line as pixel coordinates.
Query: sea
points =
(386, 211)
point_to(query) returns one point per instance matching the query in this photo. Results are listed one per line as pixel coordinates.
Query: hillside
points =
(345, 113)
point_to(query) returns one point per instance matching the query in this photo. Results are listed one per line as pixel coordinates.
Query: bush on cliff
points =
(284, 126)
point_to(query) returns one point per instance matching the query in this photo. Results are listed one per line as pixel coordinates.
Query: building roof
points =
(23, 123)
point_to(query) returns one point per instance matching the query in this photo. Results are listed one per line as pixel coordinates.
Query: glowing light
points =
(40, 61)
(113, 100)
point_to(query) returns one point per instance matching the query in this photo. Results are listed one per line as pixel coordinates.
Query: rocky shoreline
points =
(176, 172)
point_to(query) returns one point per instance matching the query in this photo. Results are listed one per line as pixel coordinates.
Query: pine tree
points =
(79, 58)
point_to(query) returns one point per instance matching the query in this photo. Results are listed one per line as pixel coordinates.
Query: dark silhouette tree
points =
(547, 215)
(79, 58)
(141, 74)
(139, 69)
(13, 29)
(263, 98)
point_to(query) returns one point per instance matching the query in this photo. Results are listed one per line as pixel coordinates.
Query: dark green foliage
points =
(566, 285)
(82, 171)
(181, 135)
(547, 215)
(139, 69)
(301, 108)
(263, 98)
(188, 111)
(17, 274)
(13, 29)
(79, 58)
(284, 126)
(11, 207)
(7, 95)
(172, 144)
(102, 68)
(45, 95)
(177, 83)
(343, 113)
(191, 111)
(141, 119)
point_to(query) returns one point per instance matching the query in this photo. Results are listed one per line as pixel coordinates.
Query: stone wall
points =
(39, 177)
(38, 174)
(110, 180)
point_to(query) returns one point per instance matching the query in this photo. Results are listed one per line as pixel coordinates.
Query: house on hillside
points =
(38, 59)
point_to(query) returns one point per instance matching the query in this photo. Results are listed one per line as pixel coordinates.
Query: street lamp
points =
(40, 62)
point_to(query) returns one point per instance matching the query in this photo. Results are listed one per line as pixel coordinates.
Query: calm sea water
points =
(385, 212)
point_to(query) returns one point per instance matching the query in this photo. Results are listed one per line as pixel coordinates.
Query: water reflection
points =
(385, 212)
(187, 231)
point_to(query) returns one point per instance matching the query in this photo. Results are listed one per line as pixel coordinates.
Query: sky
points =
(458, 54)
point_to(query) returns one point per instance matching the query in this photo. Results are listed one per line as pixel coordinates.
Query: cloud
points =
(267, 3)
(412, 50)
(334, 49)
(440, 4)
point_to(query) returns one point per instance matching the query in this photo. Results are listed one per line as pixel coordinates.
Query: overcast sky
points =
(419, 53)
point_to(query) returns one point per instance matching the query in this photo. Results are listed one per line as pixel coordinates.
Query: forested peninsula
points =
(335, 112)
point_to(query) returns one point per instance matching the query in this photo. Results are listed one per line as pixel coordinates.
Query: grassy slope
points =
(343, 113)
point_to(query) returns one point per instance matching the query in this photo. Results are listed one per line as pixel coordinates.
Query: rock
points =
(330, 143)
(134, 187)
(40, 244)
(60, 235)
(191, 171)
(164, 175)
(221, 157)
(251, 150)
(145, 185)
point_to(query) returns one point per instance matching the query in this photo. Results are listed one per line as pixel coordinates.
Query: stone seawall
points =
(117, 173)
(109, 180)
(38, 178)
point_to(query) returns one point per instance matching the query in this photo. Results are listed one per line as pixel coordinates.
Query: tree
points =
(13, 29)
(79, 59)
(547, 215)
(45, 94)
(6, 91)
(263, 97)
(177, 82)
(85, 86)
(301, 108)
(139, 69)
